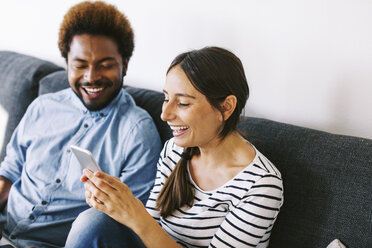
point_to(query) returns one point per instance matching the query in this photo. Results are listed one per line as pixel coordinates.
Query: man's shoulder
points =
(49, 101)
(58, 96)
(132, 112)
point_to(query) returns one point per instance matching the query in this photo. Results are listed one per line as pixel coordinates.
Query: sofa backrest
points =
(327, 184)
(327, 177)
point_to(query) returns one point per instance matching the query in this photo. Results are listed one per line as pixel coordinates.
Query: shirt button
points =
(31, 217)
(58, 180)
(101, 114)
(43, 202)
(12, 237)
(68, 150)
(86, 125)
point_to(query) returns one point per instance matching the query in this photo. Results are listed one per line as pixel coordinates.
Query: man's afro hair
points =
(96, 18)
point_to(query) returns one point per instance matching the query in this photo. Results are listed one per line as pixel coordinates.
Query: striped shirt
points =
(240, 213)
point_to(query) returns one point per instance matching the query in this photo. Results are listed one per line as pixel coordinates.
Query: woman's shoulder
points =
(261, 171)
(263, 165)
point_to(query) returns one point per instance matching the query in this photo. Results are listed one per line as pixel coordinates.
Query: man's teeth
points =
(178, 128)
(93, 90)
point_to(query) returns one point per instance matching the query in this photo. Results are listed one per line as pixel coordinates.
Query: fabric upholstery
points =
(327, 177)
(54, 82)
(152, 102)
(327, 184)
(19, 80)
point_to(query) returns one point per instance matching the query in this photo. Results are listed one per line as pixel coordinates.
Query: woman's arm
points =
(109, 195)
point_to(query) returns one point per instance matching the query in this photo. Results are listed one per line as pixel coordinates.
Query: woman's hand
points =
(109, 195)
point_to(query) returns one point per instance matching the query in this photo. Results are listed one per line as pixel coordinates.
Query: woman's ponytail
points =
(177, 190)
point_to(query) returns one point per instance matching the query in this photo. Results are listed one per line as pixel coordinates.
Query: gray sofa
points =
(327, 177)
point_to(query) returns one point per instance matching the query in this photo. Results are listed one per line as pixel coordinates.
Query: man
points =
(40, 177)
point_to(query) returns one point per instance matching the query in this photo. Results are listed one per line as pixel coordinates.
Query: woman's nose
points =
(167, 112)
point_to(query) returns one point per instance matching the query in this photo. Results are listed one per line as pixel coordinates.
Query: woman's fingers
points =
(88, 194)
(94, 193)
(109, 195)
(113, 182)
(93, 201)
(103, 181)
(84, 178)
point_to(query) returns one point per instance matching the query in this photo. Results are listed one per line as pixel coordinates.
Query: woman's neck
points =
(231, 150)
(220, 161)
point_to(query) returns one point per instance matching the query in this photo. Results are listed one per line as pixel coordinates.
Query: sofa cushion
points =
(327, 184)
(149, 100)
(19, 79)
(152, 102)
(54, 82)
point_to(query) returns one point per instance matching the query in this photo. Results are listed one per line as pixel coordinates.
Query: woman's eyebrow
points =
(181, 94)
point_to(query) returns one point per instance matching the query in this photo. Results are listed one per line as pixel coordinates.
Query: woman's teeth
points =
(179, 128)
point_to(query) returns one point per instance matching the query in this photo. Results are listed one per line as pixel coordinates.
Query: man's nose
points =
(91, 75)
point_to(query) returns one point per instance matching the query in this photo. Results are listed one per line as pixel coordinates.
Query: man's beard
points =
(92, 106)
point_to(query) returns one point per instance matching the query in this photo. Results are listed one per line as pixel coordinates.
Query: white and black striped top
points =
(241, 213)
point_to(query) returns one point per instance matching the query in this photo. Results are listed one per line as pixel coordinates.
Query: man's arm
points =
(142, 153)
(5, 185)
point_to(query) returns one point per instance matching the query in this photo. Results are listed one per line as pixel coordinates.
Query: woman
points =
(213, 188)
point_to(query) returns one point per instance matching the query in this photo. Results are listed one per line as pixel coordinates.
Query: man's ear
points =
(228, 106)
(125, 67)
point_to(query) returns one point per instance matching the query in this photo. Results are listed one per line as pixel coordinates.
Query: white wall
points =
(308, 63)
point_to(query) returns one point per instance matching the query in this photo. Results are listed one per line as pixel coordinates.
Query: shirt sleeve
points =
(249, 224)
(11, 166)
(142, 152)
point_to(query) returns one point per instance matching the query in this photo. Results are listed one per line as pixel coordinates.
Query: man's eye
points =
(184, 104)
(166, 100)
(107, 66)
(79, 67)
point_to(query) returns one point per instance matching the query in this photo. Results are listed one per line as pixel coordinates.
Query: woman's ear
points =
(228, 106)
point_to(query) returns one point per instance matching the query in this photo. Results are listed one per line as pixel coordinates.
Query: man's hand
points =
(5, 185)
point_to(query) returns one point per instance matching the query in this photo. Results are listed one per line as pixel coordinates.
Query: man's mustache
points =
(96, 83)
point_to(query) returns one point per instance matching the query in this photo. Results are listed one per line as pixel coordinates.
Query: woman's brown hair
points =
(216, 73)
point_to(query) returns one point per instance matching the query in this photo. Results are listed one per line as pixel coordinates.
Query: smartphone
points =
(85, 158)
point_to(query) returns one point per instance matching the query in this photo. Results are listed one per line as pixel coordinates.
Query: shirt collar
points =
(102, 112)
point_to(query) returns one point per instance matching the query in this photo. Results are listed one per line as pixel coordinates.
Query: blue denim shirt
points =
(47, 195)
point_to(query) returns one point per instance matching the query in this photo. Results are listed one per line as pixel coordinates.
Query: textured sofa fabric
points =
(327, 184)
(19, 79)
(327, 177)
